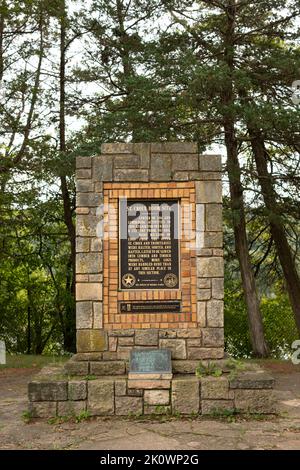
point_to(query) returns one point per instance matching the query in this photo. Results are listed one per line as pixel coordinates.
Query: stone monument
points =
(149, 288)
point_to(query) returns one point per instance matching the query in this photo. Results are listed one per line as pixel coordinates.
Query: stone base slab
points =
(54, 394)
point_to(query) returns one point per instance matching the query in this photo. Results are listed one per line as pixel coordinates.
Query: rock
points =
(213, 388)
(120, 387)
(252, 380)
(76, 367)
(44, 409)
(77, 390)
(100, 397)
(176, 346)
(215, 313)
(70, 408)
(215, 406)
(129, 405)
(185, 396)
(157, 397)
(107, 368)
(48, 391)
(254, 401)
(147, 337)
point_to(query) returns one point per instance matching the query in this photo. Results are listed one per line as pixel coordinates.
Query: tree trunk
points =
(69, 323)
(276, 223)
(258, 342)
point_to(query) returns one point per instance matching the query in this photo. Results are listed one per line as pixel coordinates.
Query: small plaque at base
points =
(155, 362)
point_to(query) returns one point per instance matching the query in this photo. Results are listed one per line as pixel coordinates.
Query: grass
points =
(30, 361)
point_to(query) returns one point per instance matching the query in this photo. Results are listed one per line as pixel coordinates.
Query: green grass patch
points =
(30, 361)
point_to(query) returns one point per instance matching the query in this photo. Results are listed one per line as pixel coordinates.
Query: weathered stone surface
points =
(210, 162)
(253, 380)
(149, 384)
(89, 263)
(160, 167)
(83, 162)
(126, 406)
(82, 173)
(213, 337)
(189, 333)
(70, 408)
(48, 391)
(84, 186)
(88, 200)
(89, 356)
(215, 406)
(211, 267)
(176, 346)
(117, 147)
(157, 409)
(213, 239)
(213, 218)
(146, 337)
(213, 388)
(123, 352)
(77, 390)
(204, 283)
(218, 288)
(110, 356)
(84, 315)
(167, 333)
(215, 313)
(174, 147)
(143, 150)
(120, 387)
(86, 225)
(100, 397)
(126, 341)
(89, 291)
(185, 396)
(157, 397)
(113, 343)
(103, 168)
(82, 210)
(127, 161)
(121, 333)
(203, 294)
(135, 392)
(208, 192)
(43, 409)
(184, 367)
(82, 245)
(205, 353)
(193, 342)
(97, 315)
(142, 376)
(91, 340)
(183, 161)
(107, 368)
(96, 244)
(255, 401)
(76, 367)
(181, 176)
(201, 314)
(131, 175)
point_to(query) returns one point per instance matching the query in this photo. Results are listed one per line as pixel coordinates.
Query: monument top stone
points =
(2, 353)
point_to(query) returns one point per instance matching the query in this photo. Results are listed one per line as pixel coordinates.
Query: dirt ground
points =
(282, 432)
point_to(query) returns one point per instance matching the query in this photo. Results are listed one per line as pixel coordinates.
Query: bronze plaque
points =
(150, 361)
(151, 306)
(149, 244)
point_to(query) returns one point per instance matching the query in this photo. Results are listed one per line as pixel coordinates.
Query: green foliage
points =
(27, 416)
(210, 368)
(82, 416)
(278, 320)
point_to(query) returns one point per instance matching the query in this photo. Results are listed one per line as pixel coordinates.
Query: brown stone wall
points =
(158, 170)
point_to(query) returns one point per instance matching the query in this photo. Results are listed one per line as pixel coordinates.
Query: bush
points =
(278, 319)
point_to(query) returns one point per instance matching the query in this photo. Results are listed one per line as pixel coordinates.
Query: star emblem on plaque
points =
(170, 280)
(128, 280)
